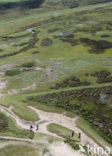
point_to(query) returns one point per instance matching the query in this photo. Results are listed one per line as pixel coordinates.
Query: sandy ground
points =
(47, 118)
(61, 149)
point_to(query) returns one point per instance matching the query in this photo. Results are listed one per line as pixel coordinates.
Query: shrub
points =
(72, 144)
(46, 42)
(31, 135)
(28, 64)
(3, 123)
(12, 72)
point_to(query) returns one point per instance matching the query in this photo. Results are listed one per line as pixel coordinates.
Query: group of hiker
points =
(37, 128)
(31, 127)
(79, 135)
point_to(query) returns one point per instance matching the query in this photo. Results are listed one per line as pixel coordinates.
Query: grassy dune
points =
(71, 49)
(19, 150)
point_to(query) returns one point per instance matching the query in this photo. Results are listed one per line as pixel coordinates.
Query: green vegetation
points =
(86, 102)
(5, 1)
(66, 133)
(51, 108)
(28, 64)
(3, 122)
(24, 4)
(88, 129)
(73, 144)
(23, 150)
(19, 106)
(62, 131)
(73, 3)
(12, 72)
(8, 128)
(72, 48)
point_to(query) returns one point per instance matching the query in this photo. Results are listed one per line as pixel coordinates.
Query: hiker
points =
(72, 134)
(31, 127)
(37, 127)
(79, 135)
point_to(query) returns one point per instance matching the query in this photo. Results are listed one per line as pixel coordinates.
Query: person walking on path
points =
(72, 134)
(31, 127)
(37, 127)
(79, 136)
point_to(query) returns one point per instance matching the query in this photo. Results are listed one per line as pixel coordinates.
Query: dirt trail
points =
(61, 149)
(17, 91)
(47, 118)
(26, 124)
(68, 123)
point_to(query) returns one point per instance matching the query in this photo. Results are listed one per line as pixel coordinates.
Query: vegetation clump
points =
(28, 64)
(3, 123)
(46, 42)
(96, 46)
(59, 130)
(70, 82)
(105, 36)
(73, 144)
(102, 76)
(7, 126)
(87, 103)
(12, 72)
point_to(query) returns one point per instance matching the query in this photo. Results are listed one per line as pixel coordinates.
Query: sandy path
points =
(19, 122)
(26, 124)
(68, 123)
(61, 149)
(47, 118)
(17, 91)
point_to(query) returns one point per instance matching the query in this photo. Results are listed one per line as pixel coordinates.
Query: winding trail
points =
(69, 123)
(47, 118)
(61, 149)
(23, 124)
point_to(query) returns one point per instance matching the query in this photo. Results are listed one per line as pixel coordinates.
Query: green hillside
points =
(72, 3)
(49, 3)
(55, 76)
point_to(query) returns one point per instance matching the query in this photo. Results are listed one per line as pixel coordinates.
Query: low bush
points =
(12, 72)
(72, 144)
(3, 122)
(28, 64)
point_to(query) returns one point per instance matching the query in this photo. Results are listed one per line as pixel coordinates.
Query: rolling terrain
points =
(46, 4)
(56, 71)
